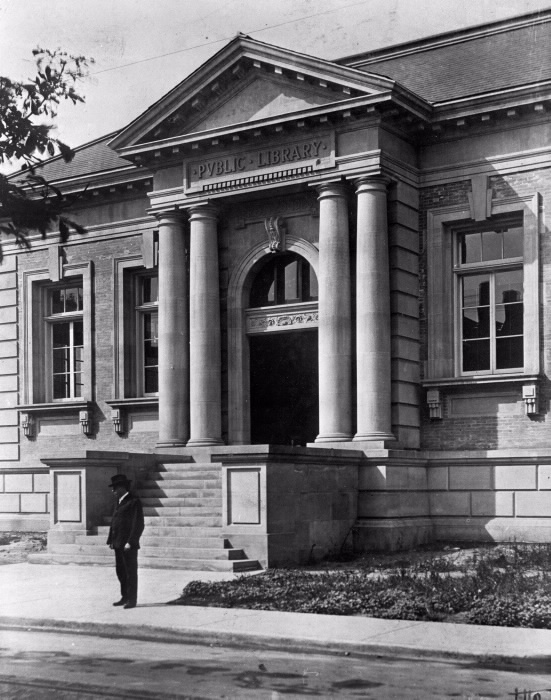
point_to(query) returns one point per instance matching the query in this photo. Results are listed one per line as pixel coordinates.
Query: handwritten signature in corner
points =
(531, 694)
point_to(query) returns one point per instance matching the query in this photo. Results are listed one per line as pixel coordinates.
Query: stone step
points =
(183, 501)
(192, 511)
(166, 551)
(191, 484)
(157, 540)
(182, 541)
(180, 520)
(210, 474)
(149, 562)
(188, 531)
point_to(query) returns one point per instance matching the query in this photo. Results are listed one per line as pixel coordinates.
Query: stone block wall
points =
(290, 505)
(9, 363)
(24, 500)
(488, 498)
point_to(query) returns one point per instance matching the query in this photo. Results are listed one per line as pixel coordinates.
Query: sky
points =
(143, 48)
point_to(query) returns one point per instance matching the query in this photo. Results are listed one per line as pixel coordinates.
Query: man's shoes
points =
(122, 601)
(129, 605)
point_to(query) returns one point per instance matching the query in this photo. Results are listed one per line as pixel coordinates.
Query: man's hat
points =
(119, 480)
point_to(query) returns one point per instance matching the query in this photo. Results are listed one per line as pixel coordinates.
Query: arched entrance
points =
(283, 352)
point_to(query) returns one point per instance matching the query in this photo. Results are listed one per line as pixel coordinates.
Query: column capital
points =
(332, 189)
(169, 217)
(203, 211)
(371, 183)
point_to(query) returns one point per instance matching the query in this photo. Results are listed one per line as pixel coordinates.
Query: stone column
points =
(335, 351)
(373, 313)
(173, 333)
(205, 359)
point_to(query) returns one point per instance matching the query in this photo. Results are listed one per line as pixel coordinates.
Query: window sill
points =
(29, 412)
(480, 380)
(55, 406)
(134, 402)
(120, 407)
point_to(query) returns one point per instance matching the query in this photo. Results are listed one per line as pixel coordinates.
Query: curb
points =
(147, 633)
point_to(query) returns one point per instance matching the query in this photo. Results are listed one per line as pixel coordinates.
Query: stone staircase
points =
(182, 505)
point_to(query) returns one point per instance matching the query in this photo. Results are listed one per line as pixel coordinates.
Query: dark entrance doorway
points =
(284, 388)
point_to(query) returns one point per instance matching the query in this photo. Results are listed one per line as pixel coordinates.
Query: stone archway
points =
(239, 424)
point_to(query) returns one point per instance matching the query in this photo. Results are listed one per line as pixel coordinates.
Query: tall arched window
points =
(284, 279)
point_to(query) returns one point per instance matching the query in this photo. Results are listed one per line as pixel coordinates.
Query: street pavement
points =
(78, 599)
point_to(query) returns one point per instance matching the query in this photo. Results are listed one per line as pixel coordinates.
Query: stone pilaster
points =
(173, 333)
(373, 351)
(335, 344)
(205, 359)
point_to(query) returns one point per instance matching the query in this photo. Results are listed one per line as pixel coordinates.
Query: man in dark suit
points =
(124, 537)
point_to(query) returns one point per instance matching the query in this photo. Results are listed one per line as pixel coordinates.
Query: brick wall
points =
(493, 428)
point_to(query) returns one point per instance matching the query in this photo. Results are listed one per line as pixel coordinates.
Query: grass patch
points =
(504, 585)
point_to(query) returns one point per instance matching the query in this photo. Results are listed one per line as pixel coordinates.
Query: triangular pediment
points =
(260, 98)
(247, 82)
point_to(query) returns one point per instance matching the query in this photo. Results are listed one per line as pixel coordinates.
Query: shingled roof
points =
(469, 62)
(90, 158)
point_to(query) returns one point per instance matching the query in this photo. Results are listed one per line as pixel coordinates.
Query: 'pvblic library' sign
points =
(316, 151)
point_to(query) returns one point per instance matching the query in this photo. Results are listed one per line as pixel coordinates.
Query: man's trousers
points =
(126, 566)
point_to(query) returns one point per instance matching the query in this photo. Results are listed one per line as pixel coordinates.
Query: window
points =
(284, 279)
(489, 272)
(65, 334)
(147, 334)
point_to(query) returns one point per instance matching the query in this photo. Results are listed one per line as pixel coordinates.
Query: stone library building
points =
(311, 311)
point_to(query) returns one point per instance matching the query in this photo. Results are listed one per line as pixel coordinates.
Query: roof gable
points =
(247, 81)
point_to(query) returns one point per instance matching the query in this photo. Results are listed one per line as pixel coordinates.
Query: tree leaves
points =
(31, 203)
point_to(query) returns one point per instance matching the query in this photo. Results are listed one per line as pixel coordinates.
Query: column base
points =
(334, 437)
(204, 442)
(372, 437)
(171, 443)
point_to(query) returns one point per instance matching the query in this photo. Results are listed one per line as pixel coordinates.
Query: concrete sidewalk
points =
(79, 599)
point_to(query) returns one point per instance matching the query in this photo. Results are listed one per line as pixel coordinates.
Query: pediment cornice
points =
(319, 86)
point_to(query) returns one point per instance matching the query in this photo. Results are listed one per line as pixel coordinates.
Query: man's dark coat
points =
(126, 528)
(127, 524)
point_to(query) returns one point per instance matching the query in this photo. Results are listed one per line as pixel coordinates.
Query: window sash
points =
(492, 341)
(146, 353)
(67, 361)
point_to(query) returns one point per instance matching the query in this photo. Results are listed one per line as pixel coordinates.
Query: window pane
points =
(509, 286)
(471, 248)
(58, 303)
(291, 281)
(476, 323)
(150, 327)
(78, 385)
(150, 290)
(509, 319)
(492, 242)
(313, 280)
(78, 333)
(60, 360)
(476, 290)
(476, 355)
(263, 289)
(72, 299)
(151, 354)
(151, 381)
(60, 334)
(78, 359)
(513, 243)
(509, 352)
(61, 386)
